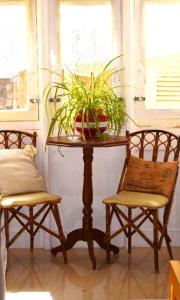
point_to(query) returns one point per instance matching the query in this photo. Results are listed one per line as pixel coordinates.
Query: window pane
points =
(162, 51)
(86, 36)
(18, 60)
(13, 56)
(162, 24)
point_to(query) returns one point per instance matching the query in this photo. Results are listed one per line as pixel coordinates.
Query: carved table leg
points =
(87, 201)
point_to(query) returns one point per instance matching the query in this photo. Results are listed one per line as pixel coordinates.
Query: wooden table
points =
(87, 232)
(174, 280)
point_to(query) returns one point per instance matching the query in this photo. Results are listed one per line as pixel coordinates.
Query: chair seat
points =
(29, 199)
(136, 199)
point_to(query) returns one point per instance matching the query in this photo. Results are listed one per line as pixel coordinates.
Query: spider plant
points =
(72, 96)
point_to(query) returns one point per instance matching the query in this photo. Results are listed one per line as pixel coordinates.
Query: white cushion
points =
(18, 173)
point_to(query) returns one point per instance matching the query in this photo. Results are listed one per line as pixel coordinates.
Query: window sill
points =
(156, 118)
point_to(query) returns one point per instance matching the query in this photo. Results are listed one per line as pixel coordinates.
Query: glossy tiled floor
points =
(42, 276)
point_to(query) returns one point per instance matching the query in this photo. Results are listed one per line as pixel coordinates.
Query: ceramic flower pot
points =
(94, 122)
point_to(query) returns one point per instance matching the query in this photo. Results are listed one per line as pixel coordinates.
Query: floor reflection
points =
(128, 276)
(28, 296)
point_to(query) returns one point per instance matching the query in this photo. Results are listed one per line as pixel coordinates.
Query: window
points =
(153, 78)
(18, 62)
(85, 35)
(162, 53)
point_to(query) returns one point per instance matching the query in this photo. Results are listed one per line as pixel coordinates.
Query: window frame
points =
(151, 101)
(142, 114)
(32, 113)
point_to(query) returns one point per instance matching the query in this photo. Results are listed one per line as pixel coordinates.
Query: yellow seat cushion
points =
(28, 199)
(137, 199)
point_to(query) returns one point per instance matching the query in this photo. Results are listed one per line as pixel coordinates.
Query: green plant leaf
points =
(77, 96)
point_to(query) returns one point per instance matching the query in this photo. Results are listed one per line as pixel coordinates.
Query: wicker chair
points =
(143, 201)
(30, 220)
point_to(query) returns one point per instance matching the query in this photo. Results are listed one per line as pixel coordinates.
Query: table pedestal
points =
(87, 233)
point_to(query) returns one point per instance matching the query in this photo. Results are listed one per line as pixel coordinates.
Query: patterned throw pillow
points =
(150, 177)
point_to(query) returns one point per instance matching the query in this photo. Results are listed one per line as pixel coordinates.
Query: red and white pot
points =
(88, 128)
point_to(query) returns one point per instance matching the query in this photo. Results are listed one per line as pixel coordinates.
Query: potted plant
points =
(88, 108)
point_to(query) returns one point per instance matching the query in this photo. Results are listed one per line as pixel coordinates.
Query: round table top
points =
(76, 141)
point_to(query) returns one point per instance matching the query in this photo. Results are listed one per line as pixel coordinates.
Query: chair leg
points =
(108, 234)
(60, 231)
(31, 216)
(155, 242)
(166, 236)
(167, 239)
(129, 228)
(6, 226)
